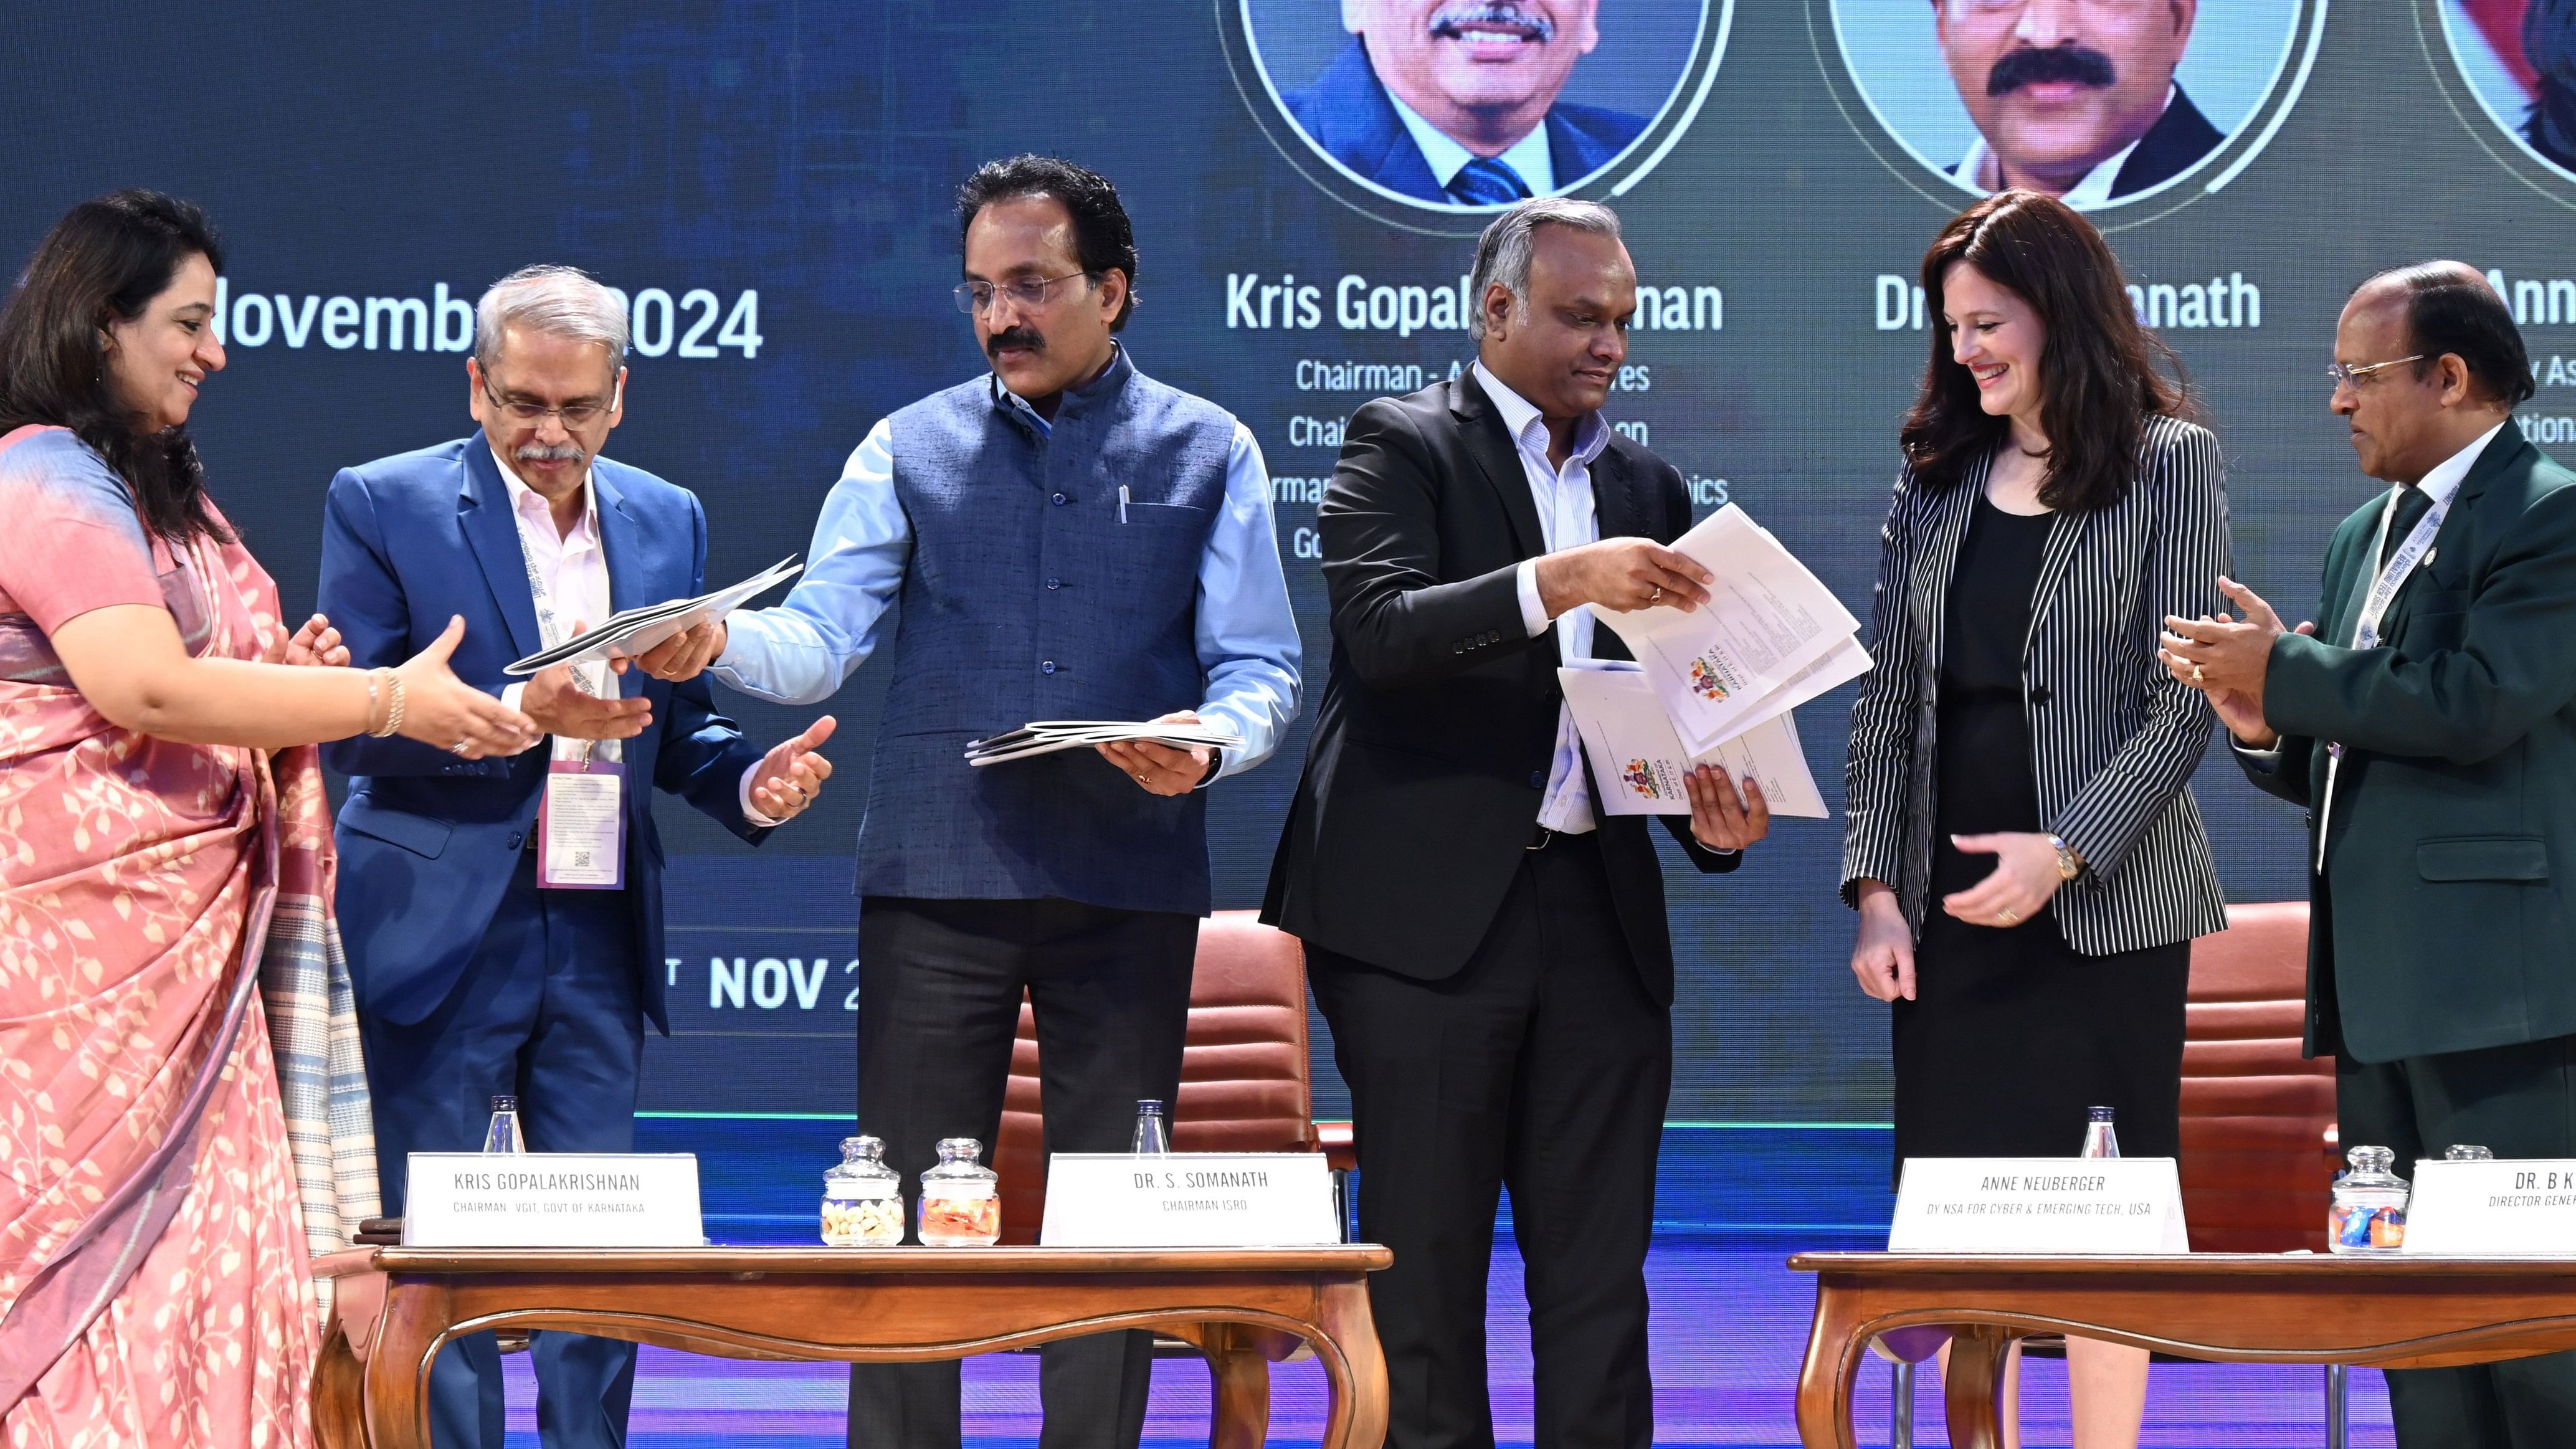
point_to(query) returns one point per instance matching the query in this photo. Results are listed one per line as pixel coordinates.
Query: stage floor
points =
(1730, 1326)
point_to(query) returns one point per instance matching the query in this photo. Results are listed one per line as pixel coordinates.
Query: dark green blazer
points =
(2442, 921)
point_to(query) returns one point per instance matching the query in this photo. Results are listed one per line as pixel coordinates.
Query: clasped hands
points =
(2025, 879)
(2227, 659)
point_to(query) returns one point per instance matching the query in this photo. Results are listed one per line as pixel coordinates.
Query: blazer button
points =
(1060, 500)
(1458, 646)
(1538, 779)
(1047, 667)
(517, 841)
(2040, 695)
(1055, 583)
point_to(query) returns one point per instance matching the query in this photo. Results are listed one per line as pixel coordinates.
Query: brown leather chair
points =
(2259, 1150)
(1245, 1086)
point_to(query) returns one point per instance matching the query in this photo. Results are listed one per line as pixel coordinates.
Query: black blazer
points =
(1430, 755)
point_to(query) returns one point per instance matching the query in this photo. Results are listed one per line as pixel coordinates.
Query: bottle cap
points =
(1149, 1106)
(2466, 1152)
(2097, 1114)
(505, 1104)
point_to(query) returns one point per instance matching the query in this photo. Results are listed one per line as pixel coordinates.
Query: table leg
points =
(339, 1393)
(1826, 1380)
(1354, 1367)
(1239, 1384)
(1974, 1384)
(397, 1403)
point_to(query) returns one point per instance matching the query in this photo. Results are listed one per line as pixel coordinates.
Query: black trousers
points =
(939, 1003)
(2519, 1101)
(1542, 1066)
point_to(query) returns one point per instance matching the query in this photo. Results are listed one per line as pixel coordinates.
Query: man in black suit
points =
(1492, 954)
(2078, 102)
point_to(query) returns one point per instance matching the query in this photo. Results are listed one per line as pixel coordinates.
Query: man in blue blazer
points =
(1457, 101)
(494, 951)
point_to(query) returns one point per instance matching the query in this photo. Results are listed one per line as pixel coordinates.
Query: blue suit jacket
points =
(428, 842)
(1347, 111)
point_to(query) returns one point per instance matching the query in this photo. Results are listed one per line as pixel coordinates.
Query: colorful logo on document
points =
(1707, 682)
(1644, 781)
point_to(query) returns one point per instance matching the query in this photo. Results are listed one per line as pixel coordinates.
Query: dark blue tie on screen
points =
(1486, 181)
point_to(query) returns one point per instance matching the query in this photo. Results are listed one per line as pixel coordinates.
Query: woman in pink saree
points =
(183, 1118)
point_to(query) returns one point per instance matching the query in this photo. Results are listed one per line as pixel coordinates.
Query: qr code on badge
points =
(581, 860)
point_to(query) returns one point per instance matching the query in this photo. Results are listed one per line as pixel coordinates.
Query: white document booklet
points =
(1638, 761)
(1769, 631)
(630, 632)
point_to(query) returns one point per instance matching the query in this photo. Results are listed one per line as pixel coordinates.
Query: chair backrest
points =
(2258, 1120)
(1244, 1081)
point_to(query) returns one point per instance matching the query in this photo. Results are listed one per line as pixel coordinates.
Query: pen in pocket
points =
(1122, 503)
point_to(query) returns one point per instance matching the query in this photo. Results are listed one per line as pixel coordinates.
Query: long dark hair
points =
(2098, 370)
(104, 262)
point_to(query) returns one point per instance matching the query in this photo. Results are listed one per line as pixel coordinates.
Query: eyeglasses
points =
(2346, 375)
(1028, 294)
(575, 415)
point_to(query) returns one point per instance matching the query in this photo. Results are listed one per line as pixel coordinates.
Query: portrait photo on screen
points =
(2098, 102)
(2519, 59)
(1463, 105)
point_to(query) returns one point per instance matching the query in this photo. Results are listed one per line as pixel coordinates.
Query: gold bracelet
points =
(394, 710)
(367, 722)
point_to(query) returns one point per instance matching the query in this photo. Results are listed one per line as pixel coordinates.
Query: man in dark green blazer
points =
(2441, 959)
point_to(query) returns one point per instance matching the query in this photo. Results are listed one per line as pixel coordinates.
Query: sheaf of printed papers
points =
(1638, 761)
(635, 631)
(1045, 737)
(1720, 668)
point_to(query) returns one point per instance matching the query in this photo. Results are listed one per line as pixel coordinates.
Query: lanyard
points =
(2374, 607)
(591, 678)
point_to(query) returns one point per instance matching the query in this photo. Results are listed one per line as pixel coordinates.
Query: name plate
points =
(2507, 1209)
(552, 1200)
(2039, 1205)
(1189, 1200)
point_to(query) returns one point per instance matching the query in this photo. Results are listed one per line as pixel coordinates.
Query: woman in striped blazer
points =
(2021, 844)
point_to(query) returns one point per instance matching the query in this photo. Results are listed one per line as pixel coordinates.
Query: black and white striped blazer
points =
(2113, 737)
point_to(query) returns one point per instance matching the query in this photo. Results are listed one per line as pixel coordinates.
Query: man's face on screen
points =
(1484, 71)
(1039, 351)
(2058, 87)
(1561, 349)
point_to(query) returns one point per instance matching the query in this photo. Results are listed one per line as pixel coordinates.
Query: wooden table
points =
(396, 1307)
(2229, 1307)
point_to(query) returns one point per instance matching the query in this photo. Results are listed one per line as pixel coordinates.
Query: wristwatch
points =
(2069, 864)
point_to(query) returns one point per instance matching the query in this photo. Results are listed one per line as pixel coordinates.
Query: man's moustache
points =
(1450, 21)
(2031, 65)
(541, 453)
(1014, 337)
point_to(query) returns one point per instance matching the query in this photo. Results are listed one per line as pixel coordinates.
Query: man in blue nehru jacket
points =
(1067, 539)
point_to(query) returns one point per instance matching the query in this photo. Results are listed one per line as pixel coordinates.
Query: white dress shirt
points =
(574, 567)
(1565, 520)
(1528, 157)
(1982, 170)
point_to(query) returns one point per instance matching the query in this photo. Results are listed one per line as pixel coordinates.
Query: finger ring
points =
(460, 747)
(1657, 594)
(2008, 917)
(2196, 676)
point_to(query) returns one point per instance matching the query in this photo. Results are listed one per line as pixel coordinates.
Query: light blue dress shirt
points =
(801, 651)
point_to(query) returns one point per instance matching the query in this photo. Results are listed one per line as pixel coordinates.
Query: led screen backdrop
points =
(769, 183)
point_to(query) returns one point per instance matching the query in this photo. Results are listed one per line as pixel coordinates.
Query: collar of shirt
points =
(1031, 415)
(1529, 429)
(536, 516)
(1981, 170)
(2447, 475)
(1528, 156)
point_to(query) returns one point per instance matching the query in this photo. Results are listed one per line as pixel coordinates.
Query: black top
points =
(1984, 781)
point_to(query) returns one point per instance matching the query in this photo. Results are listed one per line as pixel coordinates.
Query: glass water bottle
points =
(2368, 1214)
(503, 1134)
(2099, 1139)
(862, 1198)
(961, 1200)
(1153, 1137)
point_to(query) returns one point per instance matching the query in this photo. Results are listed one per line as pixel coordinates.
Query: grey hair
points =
(558, 301)
(1503, 252)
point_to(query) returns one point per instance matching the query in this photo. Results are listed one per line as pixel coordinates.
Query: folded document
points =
(635, 631)
(1638, 760)
(1046, 736)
